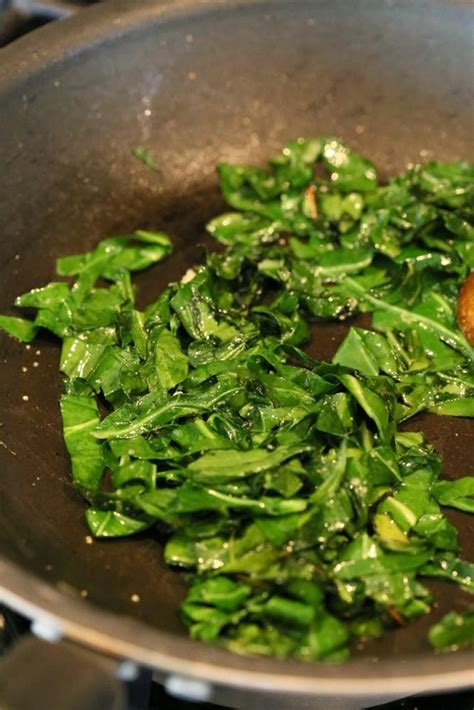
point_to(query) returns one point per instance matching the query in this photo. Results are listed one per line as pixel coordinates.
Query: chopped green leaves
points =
(80, 418)
(348, 171)
(142, 154)
(133, 253)
(456, 494)
(20, 328)
(304, 518)
(221, 466)
(453, 631)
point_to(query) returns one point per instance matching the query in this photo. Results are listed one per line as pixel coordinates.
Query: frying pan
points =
(195, 83)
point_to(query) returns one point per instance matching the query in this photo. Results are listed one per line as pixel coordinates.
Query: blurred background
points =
(17, 17)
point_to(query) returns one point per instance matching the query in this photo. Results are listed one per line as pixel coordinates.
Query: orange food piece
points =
(396, 616)
(466, 308)
(310, 193)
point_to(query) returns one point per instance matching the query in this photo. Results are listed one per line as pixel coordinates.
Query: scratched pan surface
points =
(195, 83)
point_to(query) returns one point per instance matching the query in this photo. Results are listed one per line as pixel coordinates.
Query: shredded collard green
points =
(303, 515)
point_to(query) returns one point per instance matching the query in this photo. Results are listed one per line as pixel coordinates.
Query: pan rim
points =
(60, 615)
(46, 46)
(108, 632)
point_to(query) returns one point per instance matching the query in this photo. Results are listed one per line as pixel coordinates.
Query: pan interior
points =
(234, 83)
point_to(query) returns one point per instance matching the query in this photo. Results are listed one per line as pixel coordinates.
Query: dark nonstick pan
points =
(195, 83)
